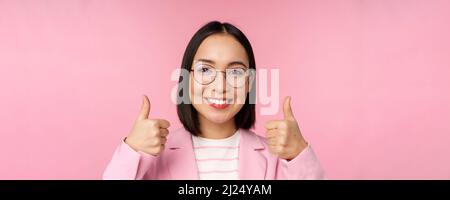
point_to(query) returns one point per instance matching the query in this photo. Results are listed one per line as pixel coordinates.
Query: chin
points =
(218, 118)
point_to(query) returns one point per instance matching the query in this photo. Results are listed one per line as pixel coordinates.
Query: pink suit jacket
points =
(177, 161)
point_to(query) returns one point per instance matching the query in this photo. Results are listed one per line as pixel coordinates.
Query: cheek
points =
(240, 94)
(195, 91)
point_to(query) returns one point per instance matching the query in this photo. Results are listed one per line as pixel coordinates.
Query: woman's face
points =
(215, 98)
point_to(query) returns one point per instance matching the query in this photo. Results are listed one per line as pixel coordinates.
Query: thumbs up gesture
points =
(283, 136)
(148, 135)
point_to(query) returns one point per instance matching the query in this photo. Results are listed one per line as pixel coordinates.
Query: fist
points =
(283, 136)
(148, 135)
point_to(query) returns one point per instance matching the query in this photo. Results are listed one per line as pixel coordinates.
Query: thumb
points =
(287, 110)
(145, 110)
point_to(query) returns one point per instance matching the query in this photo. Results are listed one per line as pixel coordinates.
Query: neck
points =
(213, 130)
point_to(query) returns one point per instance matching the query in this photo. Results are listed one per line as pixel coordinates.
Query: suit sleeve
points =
(128, 164)
(304, 166)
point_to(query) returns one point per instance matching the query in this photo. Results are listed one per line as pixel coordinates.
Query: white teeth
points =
(218, 101)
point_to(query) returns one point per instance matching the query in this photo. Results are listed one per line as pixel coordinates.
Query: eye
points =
(203, 69)
(236, 72)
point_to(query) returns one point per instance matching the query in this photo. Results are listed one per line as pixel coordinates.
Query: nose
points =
(220, 83)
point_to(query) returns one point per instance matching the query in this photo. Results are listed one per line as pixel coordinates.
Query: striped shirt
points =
(217, 159)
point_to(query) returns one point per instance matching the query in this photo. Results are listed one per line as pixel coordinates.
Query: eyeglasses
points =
(205, 74)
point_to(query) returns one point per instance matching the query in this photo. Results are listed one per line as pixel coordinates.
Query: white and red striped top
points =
(217, 159)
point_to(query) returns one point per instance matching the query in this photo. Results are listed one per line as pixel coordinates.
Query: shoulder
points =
(178, 137)
(258, 143)
(180, 130)
(253, 134)
(250, 138)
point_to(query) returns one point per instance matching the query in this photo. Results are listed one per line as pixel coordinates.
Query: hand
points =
(148, 135)
(283, 136)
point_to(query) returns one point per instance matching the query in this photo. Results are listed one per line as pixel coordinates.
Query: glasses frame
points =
(247, 75)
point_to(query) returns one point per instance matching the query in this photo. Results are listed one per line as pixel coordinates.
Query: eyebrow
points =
(229, 64)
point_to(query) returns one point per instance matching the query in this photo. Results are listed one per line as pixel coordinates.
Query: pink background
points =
(369, 79)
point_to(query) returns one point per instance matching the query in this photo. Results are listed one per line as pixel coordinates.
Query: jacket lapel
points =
(252, 164)
(181, 157)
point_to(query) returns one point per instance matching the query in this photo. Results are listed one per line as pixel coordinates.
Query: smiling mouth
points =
(218, 103)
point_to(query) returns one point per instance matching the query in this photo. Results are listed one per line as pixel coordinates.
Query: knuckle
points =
(147, 123)
(284, 124)
(156, 141)
(154, 133)
(167, 122)
(152, 123)
(283, 133)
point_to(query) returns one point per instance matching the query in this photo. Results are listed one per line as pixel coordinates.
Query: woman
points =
(217, 113)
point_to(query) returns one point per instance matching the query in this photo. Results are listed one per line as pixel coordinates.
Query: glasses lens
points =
(204, 74)
(236, 76)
